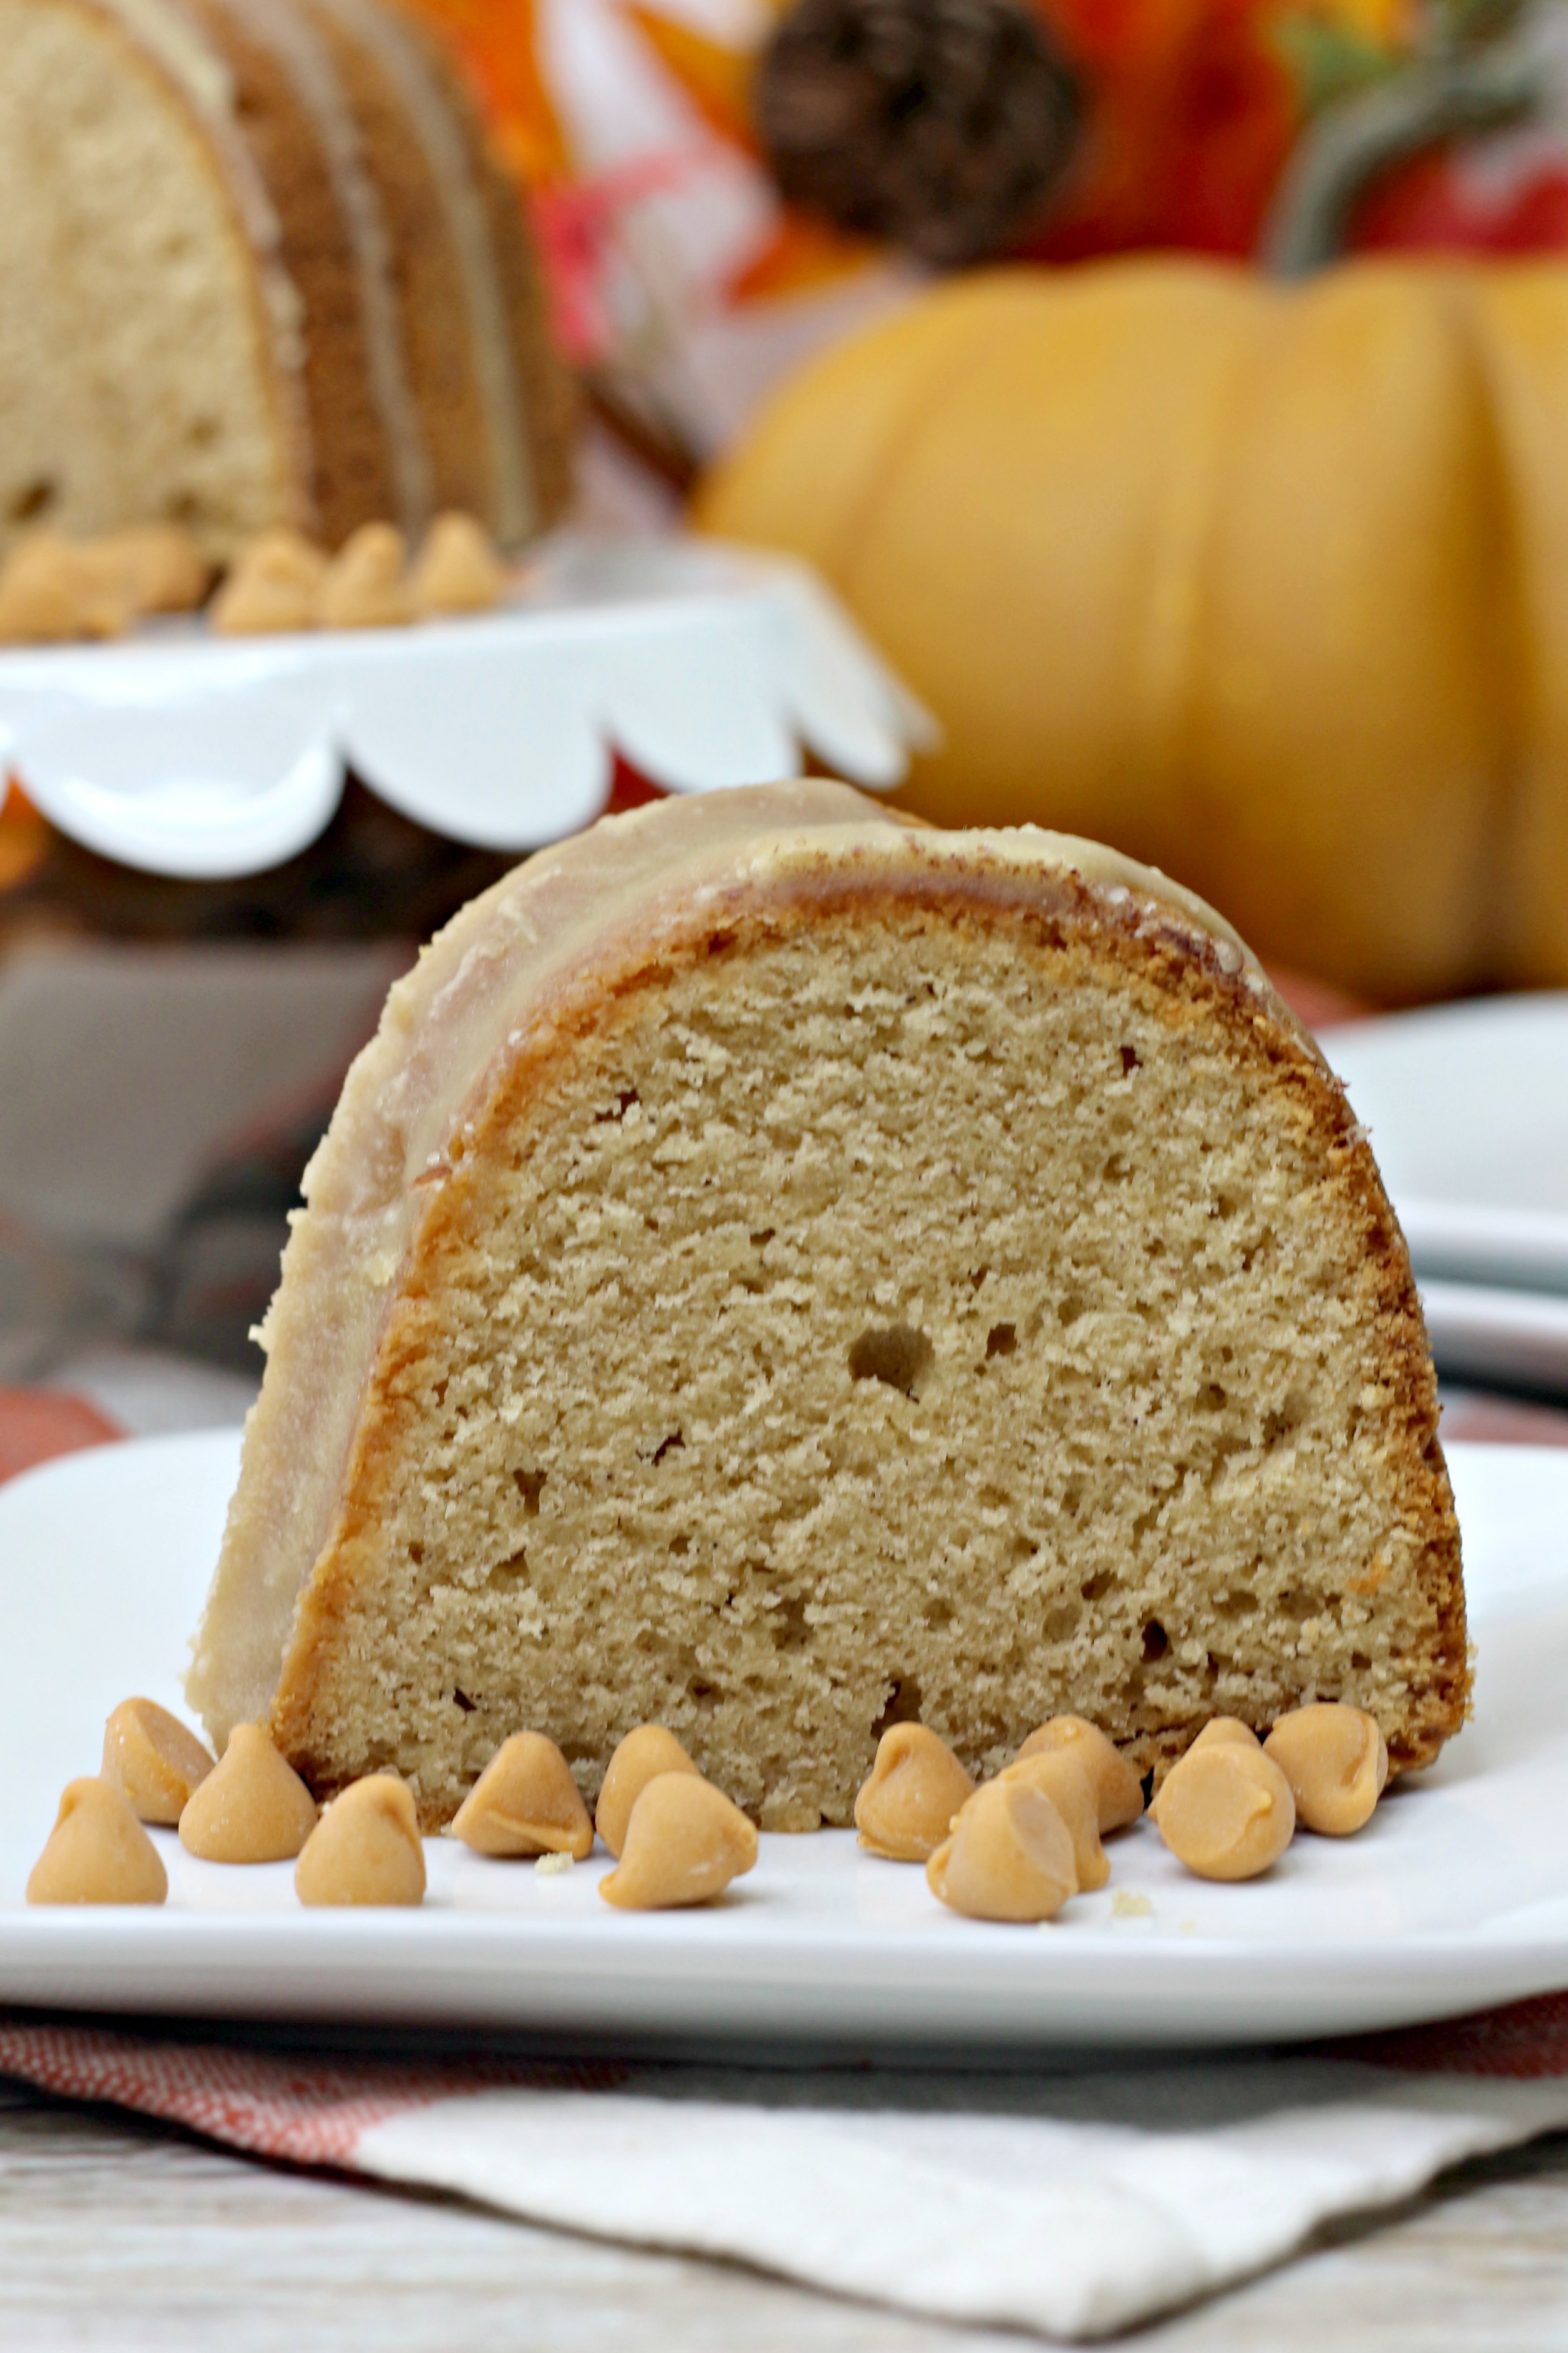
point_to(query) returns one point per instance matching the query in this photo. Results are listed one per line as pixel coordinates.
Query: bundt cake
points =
(781, 1271)
(257, 268)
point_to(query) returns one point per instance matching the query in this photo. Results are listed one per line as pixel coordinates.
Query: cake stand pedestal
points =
(697, 665)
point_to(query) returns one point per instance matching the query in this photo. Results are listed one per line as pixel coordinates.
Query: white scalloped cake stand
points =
(189, 754)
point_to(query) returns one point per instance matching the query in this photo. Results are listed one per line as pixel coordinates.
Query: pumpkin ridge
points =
(1524, 873)
(930, 393)
(1175, 775)
(1499, 611)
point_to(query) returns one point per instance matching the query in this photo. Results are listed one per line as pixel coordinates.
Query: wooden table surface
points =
(121, 2234)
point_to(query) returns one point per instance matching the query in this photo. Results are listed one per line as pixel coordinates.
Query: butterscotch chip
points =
(525, 1802)
(1117, 1785)
(51, 592)
(366, 1848)
(685, 1842)
(1336, 1761)
(252, 1807)
(1061, 1775)
(1010, 1856)
(23, 621)
(1220, 1730)
(97, 1853)
(458, 569)
(1226, 1811)
(154, 1759)
(364, 586)
(158, 566)
(916, 1785)
(643, 1753)
(272, 589)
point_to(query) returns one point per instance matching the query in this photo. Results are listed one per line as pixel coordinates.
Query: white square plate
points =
(1455, 1896)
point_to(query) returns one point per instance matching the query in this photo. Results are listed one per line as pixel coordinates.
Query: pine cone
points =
(941, 126)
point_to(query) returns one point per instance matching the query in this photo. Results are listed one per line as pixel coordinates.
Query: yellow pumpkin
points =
(1266, 583)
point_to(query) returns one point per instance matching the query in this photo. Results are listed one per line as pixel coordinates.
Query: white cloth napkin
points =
(1068, 2197)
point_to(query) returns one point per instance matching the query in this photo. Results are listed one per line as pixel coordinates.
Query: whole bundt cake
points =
(257, 268)
(779, 1271)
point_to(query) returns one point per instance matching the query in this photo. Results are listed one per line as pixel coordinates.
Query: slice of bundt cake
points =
(778, 1271)
(257, 267)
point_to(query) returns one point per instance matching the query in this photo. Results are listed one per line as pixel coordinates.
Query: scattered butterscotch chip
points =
(26, 618)
(525, 1802)
(1010, 1856)
(159, 566)
(458, 569)
(643, 1753)
(916, 1785)
(1336, 1761)
(1117, 1786)
(365, 1849)
(51, 591)
(1062, 1775)
(97, 1853)
(685, 1842)
(154, 1759)
(1226, 1811)
(553, 1866)
(365, 585)
(252, 1807)
(272, 589)
(1220, 1730)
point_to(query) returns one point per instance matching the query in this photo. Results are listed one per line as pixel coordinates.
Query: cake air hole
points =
(896, 1355)
(31, 504)
(511, 1571)
(902, 1705)
(788, 1627)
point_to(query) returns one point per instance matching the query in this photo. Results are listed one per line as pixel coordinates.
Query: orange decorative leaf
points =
(23, 835)
(800, 253)
(717, 79)
(501, 48)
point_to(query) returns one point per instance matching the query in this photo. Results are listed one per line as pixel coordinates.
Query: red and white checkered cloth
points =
(1071, 2199)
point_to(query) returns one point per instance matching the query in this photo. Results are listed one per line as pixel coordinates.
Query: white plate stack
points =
(1468, 1111)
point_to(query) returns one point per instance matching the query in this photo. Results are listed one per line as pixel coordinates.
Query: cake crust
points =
(978, 912)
